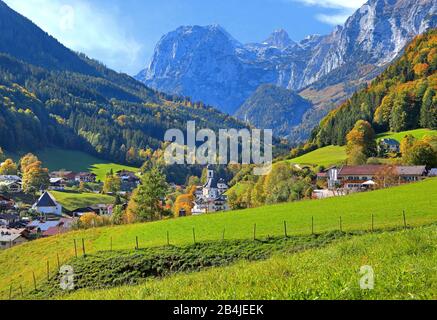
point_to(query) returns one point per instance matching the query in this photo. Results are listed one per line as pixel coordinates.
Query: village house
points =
(6, 203)
(211, 198)
(68, 176)
(8, 219)
(432, 173)
(129, 180)
(98, 209)
(50, 228)
(57, 184)
(11, 237)
(386, 146)
(47, 205)
(10, 184)
(85, 177)
(361, 177)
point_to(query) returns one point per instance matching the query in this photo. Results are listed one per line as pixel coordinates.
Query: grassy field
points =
(418, 200)
(323, 157)
(332, 155)
(419, 134)
(404, 265)
(239, 187)
(73, 200)
(77, 161)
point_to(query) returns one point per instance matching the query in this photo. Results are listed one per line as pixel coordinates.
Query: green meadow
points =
(322, 157)
(72, 200)
(419, 201)
(56, 159)
(418, 134)
(404, 265)
(332, 155)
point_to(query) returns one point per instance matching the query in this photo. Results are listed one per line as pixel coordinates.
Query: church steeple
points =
(210, 173)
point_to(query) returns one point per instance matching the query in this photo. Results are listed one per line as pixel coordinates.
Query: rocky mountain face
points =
(208, 64)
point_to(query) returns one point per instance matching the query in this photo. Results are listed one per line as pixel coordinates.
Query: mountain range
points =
(208, 64)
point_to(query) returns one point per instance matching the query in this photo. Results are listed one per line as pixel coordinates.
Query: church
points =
(211, 196)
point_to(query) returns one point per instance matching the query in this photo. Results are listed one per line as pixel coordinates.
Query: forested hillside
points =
(273, 107)
(401, 98)
(51, 96)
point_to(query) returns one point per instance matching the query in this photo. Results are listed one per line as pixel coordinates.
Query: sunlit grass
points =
(404, 265)
(418, 200)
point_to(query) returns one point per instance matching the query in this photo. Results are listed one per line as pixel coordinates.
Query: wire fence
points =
(24, 286)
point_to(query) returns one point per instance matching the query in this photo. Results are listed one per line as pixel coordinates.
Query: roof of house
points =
(411, 170)
(370, 170)
(360, 170)
(13, 230)
(10, 183)
(3, 198)
(6, 236)
(9, 216)
(61, 173)
(43, 226)
(390, 141)
(86, 174)
(10, 178)
(46, 200)
(10, 234)
(56, 180)
(52, 231)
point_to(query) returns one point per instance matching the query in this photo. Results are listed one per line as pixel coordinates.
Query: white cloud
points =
(82, 27)
(334, 19)
(338, 4)
(344, 8)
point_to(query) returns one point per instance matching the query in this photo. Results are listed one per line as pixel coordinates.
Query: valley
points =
(106, 192)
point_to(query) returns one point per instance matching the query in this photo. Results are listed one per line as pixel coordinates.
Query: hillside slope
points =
(402, 98)
(55, 97)
(403, 262)
(418, 200)
(276, 108)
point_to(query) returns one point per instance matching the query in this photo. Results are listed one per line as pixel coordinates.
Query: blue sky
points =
(123, 33)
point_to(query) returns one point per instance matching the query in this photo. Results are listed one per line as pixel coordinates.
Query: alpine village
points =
(84, 181)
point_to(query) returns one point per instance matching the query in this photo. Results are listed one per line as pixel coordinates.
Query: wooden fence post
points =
(34, 279)
(194, 236)
(168, 238)
(59, 262)
(373, 223)
(341, 225)
(312, 225)
(136, 243)
(83, 247)
(48, 270)
(285, 229)
(75, 248)
(405, 219)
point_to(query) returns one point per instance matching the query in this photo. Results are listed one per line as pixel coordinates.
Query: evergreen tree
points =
(428, 112)
(147, 203)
